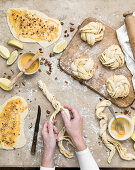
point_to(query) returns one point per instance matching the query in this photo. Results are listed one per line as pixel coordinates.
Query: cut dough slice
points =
(12, 114)
(118, 86)
(92, 32)
(83, 68)
(33, 26)
(112, 57)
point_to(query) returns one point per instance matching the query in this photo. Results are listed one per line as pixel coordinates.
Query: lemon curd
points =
(29, 25)
(25, 59)
(125, 127)
(10, 118)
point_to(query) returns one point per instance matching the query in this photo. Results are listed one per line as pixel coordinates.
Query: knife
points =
(33, 148)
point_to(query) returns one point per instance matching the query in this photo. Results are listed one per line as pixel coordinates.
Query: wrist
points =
(79, 143)
(48, 158)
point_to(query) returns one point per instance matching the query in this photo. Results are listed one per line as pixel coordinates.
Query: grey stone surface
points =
(71, 93)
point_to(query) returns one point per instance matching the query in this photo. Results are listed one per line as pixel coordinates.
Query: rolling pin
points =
(130, 25)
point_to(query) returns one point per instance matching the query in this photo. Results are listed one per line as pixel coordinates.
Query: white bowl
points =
(19, 59)
(129, 133)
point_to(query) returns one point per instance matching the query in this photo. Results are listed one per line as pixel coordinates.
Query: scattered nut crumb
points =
(62, 23)
(23, 83)
(56, 78)
(39, 70)
(42, 59)
(66, 82)
(48, 112)
(65, 31)
(71, 23)
(127, 112)
(51, 55)
(133, 108)
(12, 71)
(72, 29)
(30, 126)
(9, 77)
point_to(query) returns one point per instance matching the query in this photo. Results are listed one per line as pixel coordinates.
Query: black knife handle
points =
(34, 143)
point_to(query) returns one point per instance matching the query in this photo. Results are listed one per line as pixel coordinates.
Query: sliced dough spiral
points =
(112, 57)
(83, 68)
(58, 107)
(109, 142)
(92, 32)
(118, 86)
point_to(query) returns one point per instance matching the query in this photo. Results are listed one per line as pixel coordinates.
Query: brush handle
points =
(16, 79)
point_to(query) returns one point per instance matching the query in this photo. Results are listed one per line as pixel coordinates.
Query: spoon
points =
(118, 125)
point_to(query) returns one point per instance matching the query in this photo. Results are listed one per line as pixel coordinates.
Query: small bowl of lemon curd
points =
(24, 59)
(126, 129)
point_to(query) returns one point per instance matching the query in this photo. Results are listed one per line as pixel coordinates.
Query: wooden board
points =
(77, 48)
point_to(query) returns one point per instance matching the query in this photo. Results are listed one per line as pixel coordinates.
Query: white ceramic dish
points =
(130, 132)
(19, 59)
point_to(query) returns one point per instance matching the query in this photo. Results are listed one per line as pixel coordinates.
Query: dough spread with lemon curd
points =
(83, 68)
(12, 115)
(92, 32)
(109, 142)
(112, 57)
(33, 26)
(118, 86)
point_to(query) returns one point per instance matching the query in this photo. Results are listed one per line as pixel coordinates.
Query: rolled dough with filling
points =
(118, 86)
(83, 68)
(49, 35)
(12, 115)
(58, 107)
(92, 32)
(109, 142)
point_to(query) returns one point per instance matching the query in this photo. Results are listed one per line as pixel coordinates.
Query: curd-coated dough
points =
(109, 142)
(112, 57)
(33, 26)
(83, 68)
(12, 115)
(92, 32)
(58, 107)
(118, 86)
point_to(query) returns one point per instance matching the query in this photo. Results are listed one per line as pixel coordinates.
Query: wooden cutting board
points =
(77, 48)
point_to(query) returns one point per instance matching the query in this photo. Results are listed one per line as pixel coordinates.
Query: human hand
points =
(49, 133)
(74, 127)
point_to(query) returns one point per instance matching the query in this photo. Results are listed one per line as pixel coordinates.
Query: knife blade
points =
(34, 143)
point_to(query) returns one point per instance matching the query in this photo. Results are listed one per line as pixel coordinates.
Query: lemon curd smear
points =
(125, 127)
(25, 59)
(10, 118)
(29, 25)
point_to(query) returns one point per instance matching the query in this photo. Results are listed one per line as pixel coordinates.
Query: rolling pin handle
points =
(125, 14)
